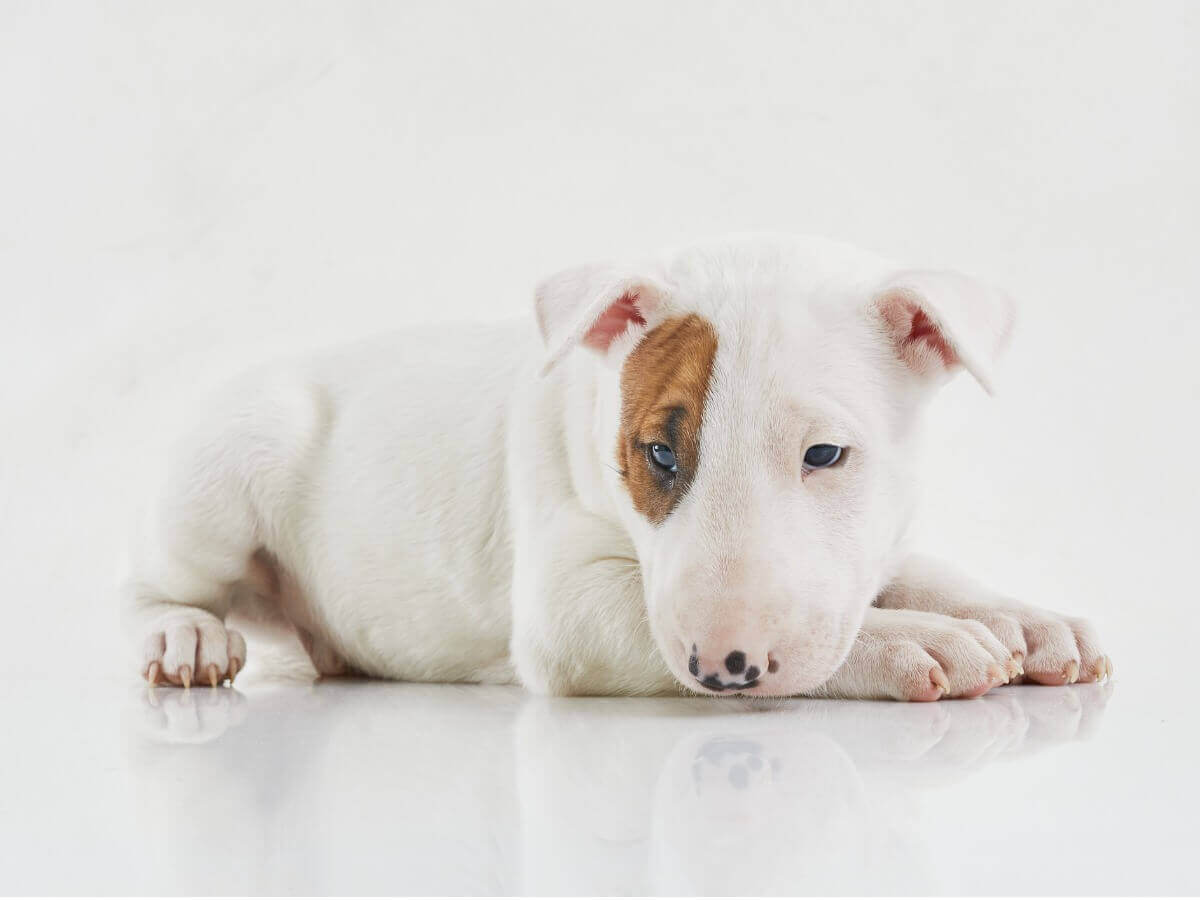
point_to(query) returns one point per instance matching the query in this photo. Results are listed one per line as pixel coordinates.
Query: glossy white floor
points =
(361, 787)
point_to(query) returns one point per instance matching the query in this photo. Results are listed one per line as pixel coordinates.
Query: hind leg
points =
(223, 492)
(185, 644)
(187, 566)
(323, 656)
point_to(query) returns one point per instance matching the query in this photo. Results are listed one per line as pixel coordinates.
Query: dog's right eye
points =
(664, 457)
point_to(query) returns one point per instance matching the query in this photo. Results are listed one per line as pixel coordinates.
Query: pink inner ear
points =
(919, 341)
(613, 322)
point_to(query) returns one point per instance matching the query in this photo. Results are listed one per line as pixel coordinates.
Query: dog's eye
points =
(664, 457)
(822, 456)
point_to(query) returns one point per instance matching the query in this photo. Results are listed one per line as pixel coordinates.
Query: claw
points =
(152, 673)
(185, 675)
(234, 666)
(1071, 672)
(997, 675)
(213, 674)
(1013, 668)
(938, 677)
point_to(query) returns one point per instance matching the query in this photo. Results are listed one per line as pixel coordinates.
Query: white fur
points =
(442, 505)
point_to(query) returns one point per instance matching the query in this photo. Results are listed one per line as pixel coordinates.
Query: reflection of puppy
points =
(699, 475)
(598, 796)
(371, 772)
(732, 761)
(621, 798)
(788, 803)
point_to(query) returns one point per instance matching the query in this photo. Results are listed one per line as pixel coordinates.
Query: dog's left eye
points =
(822, 456)
(664, 457)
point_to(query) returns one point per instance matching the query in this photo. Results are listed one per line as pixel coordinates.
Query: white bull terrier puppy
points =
(695, 471)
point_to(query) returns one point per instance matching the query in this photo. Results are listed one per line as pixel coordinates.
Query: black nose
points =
(734, 663)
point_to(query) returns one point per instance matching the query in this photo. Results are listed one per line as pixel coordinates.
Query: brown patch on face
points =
(664, 383)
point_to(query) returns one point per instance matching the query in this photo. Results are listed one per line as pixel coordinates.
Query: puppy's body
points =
(432, 506)
(370, 485)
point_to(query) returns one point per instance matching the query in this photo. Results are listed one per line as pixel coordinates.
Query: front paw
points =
(909, 655)
(1050, 648)
(1060, 649)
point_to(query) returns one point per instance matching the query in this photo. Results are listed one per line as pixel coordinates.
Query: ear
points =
(593, 305)
(938, 322)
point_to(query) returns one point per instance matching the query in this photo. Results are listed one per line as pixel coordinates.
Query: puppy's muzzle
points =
(719, 669)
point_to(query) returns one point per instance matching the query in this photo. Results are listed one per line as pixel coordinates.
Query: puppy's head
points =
(757, 402)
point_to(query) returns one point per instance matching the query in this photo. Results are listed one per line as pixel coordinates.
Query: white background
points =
(185, 189)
